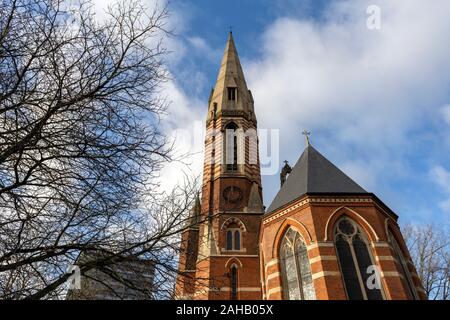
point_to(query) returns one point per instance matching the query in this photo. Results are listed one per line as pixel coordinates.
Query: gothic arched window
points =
(231, 147)
(355, 260)
(233, 282)
(233, 239)
(296, 271)
(403, 265)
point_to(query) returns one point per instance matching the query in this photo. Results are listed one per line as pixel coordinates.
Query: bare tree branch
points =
(429, 249)
(81, 146)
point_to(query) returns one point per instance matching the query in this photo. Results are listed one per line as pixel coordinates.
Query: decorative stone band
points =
(242, 289)
(320, 244)
(236, 255)
(271, 263)
(320, 258)
(201, 292)
(273, 275)
(321, 274)
(227, 289)
(273, 290)
(283, 212)
(386, 274)
(315, 200)
(385, 258)
(339, 200)
(381, 244)
(270, 277)
(243, 250)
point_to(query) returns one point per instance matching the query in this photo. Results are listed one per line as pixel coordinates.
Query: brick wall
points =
(314, 218)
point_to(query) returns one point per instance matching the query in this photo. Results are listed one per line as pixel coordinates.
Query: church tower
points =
(323, 237)
(227, 259)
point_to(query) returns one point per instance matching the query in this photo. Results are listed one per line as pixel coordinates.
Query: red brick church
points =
(323, 236)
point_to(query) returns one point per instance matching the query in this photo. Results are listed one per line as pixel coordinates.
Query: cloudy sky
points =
(377, 101)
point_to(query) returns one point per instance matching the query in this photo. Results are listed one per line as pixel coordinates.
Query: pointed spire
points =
(231, 76)
(231, 66)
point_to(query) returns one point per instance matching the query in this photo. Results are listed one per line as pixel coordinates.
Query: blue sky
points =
(376, 101)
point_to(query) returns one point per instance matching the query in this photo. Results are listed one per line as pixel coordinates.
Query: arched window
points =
(233, 282)
(355, 261)
(231, 147)
(233, 239)
(296, 271)
(403, 265)
(232, 93)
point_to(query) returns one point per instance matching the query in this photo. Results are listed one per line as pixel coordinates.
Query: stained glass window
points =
(364, 262)
(297, 278)
(233, 282)
(355, 261)
(348, 269)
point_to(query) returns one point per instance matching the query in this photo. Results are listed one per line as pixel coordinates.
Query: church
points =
(323, 237)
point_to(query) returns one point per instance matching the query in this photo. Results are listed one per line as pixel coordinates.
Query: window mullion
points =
(358, 272)
(371, 256)
(299, 274)
(233, 245)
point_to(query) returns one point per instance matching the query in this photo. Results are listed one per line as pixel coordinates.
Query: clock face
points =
(232, 195)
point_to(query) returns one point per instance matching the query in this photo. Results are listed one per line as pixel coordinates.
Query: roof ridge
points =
(307, 166)
(313, 173)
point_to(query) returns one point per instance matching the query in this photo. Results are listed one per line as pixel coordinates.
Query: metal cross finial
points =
(306, 134)
(231, 29)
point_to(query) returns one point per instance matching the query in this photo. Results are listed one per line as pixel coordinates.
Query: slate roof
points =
(313, 173)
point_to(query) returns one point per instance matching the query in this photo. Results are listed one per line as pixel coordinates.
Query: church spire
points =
(230, 91)
(230, 68)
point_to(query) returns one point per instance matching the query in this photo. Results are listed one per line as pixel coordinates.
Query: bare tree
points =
(80, 144)
(429, 249)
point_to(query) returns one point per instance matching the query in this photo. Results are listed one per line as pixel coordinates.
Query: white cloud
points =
(362, 90)
(184, 125)
(358, 169)
(445, 111)
(203, 48)
(441, 177)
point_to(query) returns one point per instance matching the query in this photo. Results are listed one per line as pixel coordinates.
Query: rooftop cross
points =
(306, 134)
